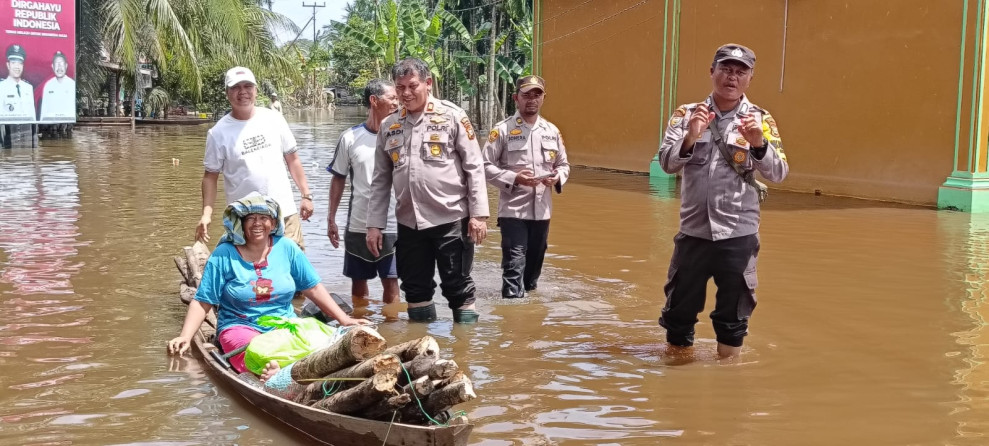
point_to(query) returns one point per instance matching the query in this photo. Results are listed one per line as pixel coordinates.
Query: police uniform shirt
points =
(716, 203)
(17, 101)
(435, 165)
(514, 145)
(59, 99)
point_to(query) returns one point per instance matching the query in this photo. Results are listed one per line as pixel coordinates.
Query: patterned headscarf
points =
(254, 203)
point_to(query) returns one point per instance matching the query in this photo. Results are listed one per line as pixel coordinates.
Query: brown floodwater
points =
(871, 326)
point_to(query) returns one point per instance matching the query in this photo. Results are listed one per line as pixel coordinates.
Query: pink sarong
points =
(236, 337)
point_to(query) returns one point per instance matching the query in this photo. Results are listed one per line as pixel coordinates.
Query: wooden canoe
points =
(322, 426)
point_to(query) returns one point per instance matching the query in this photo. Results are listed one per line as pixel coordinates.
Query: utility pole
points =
(315, 45)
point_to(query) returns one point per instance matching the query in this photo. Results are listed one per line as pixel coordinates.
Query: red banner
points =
(38, 50)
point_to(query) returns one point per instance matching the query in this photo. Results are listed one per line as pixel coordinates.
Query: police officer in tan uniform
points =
(719, 211)
(428, 151)
(525, 158)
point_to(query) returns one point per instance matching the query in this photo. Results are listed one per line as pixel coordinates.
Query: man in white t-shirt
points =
(251, 146)
(354, 157)
(58, 100)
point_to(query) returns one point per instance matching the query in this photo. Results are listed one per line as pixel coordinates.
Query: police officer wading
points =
(524, 158)
(719, 212)
(428, 151)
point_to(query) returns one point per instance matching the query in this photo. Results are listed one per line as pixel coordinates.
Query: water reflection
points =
(38, 234)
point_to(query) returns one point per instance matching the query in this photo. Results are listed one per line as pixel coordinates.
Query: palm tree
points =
(183, 37)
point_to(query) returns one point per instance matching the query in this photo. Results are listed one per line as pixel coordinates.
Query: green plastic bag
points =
(291, 340)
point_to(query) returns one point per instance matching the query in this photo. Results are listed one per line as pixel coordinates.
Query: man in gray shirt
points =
(719, 212)
(428, 151)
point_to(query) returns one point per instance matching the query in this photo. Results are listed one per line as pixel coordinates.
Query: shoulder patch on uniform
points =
(493, 136)
(469, 128)
(678, 116)
(769, 126)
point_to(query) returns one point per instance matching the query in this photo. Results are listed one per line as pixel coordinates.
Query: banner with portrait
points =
(38, 69)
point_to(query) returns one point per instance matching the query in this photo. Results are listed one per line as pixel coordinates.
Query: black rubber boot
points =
(465, 316)
(423, 314)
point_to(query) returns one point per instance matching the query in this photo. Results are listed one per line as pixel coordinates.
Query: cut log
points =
(385, 409)
(366, 369)
(417, 367)
(421, 387)
(358, 344)
(201, 252)
(352, 401)
(408, 351)
(449, 396)
(186, 293)
(439, 401)
(441, 383)
(192, 262)
(183, 265)
(443, 368)
(428, 366)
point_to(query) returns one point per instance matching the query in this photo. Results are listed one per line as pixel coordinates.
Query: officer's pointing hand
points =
(698, 121)
(751, 130)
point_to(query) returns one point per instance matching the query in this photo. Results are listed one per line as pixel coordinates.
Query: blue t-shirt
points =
(232, 284)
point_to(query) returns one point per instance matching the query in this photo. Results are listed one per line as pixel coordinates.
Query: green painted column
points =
(967, 188)
(668, 81)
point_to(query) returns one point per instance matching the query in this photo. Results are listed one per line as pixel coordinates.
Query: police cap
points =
(736, 52)
(16, 52)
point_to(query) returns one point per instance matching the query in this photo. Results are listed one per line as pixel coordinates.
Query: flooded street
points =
(870, 329)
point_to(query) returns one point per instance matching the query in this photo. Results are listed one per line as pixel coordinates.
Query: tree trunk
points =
(489, 107)
(358, 344)
(352, 401)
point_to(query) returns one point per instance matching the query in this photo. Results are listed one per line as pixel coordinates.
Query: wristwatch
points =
(307, 197)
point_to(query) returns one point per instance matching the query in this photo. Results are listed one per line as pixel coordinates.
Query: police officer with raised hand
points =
(428, 151)
(718, 144)
(524, 158)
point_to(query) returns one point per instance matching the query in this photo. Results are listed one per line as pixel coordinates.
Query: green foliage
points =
(376, 33)
(184, 39)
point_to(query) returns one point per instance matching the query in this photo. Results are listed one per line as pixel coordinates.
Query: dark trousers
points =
(732, 264)
(523, 247)
(419, 252)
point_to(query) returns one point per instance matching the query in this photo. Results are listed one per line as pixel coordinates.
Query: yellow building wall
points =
(865, 92)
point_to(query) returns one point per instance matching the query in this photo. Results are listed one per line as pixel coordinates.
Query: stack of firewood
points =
(407, 383)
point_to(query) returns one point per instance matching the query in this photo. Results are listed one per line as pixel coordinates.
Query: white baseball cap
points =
(237, 75)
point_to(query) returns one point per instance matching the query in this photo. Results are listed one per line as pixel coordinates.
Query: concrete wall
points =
(869, 87)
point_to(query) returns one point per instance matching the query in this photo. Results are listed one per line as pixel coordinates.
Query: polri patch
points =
(469, 128)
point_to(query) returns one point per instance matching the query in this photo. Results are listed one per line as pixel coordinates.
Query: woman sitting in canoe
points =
(254, 271)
